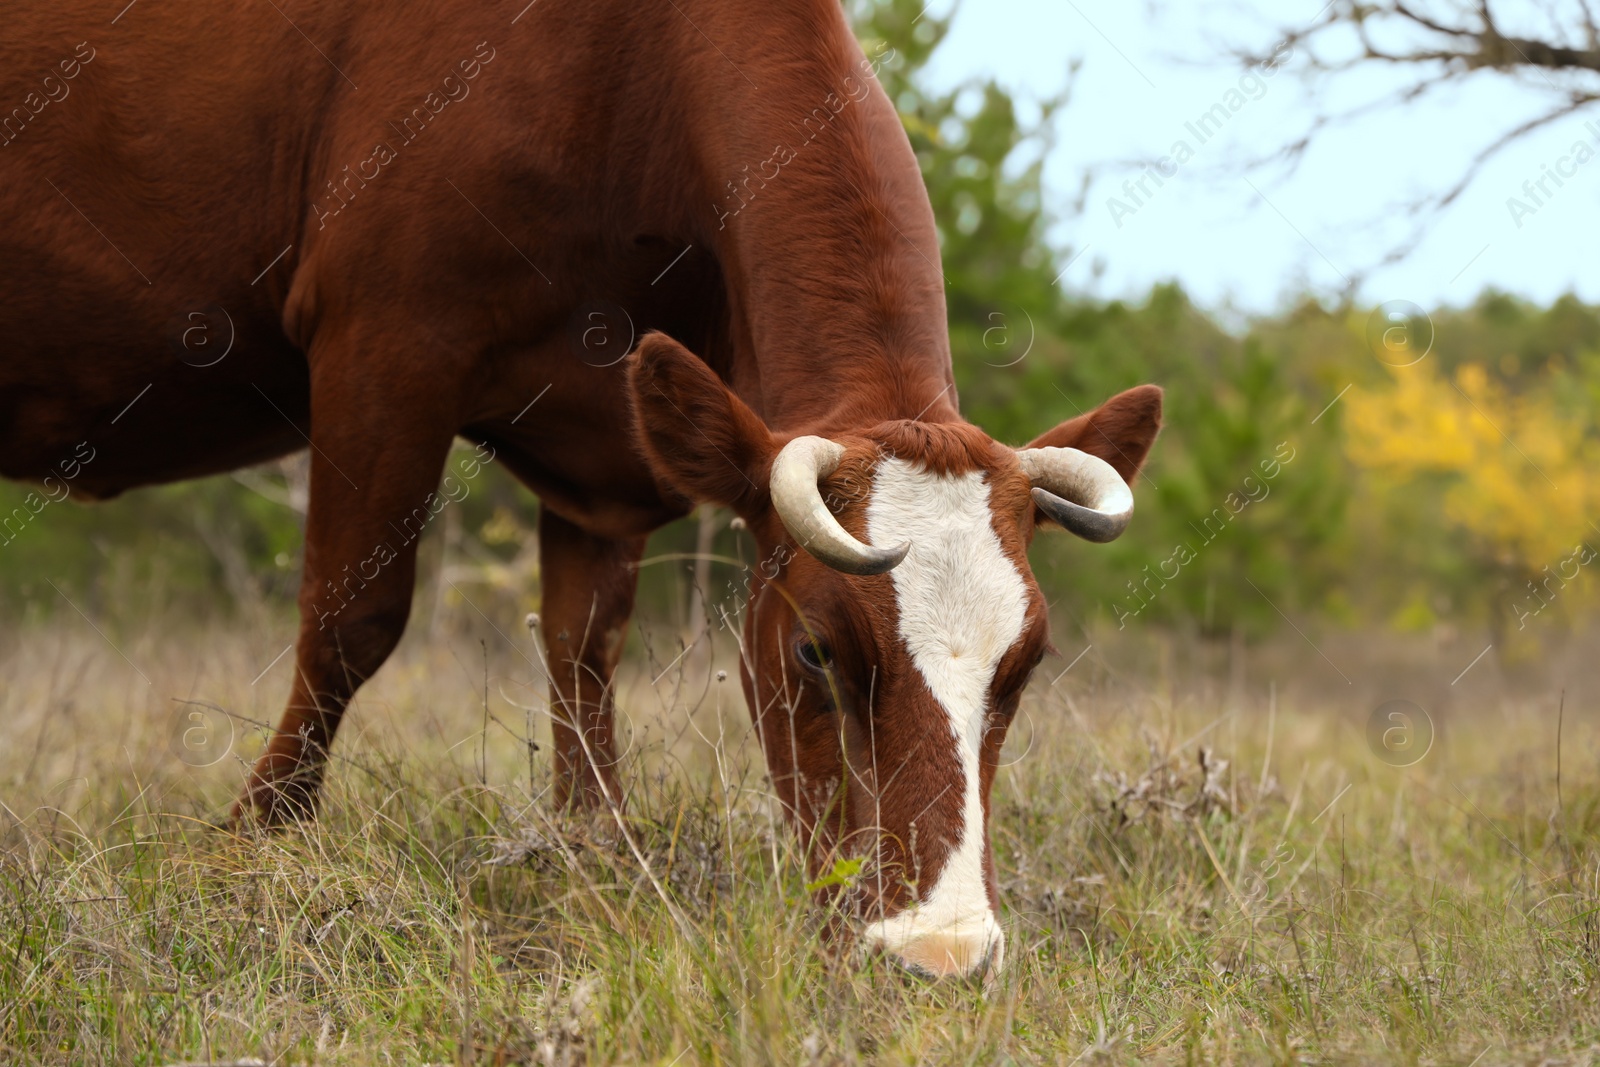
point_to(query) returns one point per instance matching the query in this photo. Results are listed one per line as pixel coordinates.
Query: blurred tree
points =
(1514, 473)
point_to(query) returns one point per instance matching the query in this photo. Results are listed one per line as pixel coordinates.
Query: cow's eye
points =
(814, 653)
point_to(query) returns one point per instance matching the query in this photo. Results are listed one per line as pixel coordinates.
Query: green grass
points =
(1303, 903)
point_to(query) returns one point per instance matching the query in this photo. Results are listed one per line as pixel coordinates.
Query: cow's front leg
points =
(588, 588)
(379, 438)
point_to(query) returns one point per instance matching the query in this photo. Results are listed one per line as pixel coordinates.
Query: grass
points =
(1194, 870)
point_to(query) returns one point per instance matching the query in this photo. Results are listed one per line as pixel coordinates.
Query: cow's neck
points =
(827, 246)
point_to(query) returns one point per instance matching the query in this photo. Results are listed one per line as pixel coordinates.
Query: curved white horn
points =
(1083, 493)
(799, 503)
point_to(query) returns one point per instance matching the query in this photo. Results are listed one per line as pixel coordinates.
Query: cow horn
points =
(798, 500)
(1083, 493)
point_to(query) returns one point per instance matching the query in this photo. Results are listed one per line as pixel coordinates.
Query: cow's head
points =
(892, 624)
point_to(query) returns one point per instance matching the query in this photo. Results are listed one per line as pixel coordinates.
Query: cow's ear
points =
(700, 440)
(1120, 431)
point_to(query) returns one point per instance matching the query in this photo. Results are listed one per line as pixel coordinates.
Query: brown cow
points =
(233, 230)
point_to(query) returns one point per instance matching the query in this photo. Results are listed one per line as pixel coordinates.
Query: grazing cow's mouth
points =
(972, 946)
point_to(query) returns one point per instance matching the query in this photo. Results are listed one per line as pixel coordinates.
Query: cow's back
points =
(181, 202)
(148, 166)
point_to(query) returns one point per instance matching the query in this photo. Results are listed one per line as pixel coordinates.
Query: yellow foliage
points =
(503, 529)
(1520, 476)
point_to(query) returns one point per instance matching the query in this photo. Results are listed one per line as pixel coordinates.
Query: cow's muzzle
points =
(972, 946)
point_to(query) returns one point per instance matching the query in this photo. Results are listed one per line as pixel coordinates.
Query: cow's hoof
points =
(275, 805)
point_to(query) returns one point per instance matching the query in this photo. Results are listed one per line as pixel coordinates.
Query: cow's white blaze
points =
(961, 604)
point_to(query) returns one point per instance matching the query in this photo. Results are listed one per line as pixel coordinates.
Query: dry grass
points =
(1193, 872)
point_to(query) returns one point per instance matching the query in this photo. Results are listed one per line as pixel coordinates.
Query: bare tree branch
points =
(1442, 49)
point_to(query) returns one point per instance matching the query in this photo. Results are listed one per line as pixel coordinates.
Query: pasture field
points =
(1202, 861)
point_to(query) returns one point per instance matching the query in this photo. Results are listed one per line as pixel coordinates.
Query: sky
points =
(1248, 239)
